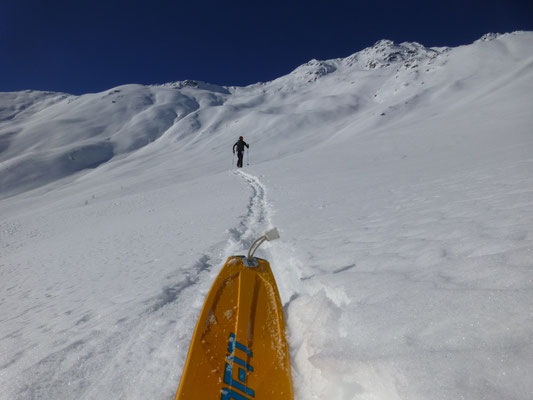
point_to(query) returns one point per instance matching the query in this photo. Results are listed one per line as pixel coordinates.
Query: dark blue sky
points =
(80, 46)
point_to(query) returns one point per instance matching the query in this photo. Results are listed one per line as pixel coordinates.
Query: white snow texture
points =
(400, 179)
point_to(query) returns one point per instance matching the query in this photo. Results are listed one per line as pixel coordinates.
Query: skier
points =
(240, 150)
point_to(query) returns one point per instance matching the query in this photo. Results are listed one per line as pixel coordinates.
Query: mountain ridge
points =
(42, 131)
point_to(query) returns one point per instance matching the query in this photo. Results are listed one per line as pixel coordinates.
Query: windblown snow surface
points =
(400, 179)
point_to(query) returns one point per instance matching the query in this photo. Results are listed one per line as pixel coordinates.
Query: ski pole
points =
(233, 159)
(247, 156)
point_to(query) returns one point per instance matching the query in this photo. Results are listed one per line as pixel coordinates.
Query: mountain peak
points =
(383, 43)
(314, 69)
(385, 53)
(487, 37)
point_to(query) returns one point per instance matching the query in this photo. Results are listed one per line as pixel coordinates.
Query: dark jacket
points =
(240, 146)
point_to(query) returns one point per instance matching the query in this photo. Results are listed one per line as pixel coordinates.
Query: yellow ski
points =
(239, 350)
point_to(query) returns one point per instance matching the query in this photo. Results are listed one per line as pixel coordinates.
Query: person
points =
(240, 150)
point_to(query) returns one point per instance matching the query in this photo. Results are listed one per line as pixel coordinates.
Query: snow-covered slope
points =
(400, 178)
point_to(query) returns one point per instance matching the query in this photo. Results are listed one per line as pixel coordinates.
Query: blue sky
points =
(81, 46)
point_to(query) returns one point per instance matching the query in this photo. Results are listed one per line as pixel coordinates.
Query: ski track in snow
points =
(257, 219)
(284, 263)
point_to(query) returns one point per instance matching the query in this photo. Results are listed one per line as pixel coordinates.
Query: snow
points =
(400, 179)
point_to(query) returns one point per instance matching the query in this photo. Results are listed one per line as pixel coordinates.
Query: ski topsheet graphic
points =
(239, 350)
